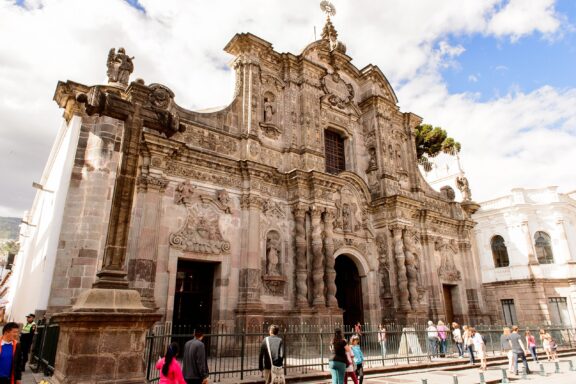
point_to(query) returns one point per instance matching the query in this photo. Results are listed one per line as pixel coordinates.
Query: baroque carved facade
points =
(246, 188)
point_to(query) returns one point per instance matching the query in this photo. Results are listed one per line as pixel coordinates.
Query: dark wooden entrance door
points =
(349, 290)
(193, 296)
(448, 305)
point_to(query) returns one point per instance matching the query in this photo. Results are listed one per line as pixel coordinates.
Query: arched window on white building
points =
(499, 252)
(543, 247)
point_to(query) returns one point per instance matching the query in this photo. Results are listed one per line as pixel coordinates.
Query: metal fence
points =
(44, 345)
(234, 354)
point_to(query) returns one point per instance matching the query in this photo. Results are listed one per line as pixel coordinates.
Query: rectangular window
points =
(472, 297)
(558, 307)
(509, 311)
(334, 152)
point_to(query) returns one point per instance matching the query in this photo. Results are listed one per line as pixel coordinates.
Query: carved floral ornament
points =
(201, 230)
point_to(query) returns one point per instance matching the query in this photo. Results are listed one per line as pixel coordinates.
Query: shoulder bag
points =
(277, 373)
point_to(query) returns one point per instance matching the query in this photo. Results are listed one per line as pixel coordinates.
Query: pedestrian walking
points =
(531, 343)
(271, 357)
(458, 340)
(518, 350)
(382, 340)
(479, 347)
(170, 370)
(194, 363)
(506, 347)
(545, 339)
(10, 355)
(358, 329)
(358, 357)
(468, 343)
(350, 366)
(432, 336)
(338, 359)
(553, 349)
(26, 337)
(442, 337)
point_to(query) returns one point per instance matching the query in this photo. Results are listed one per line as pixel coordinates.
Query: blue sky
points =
(492, 67)
(496, 74)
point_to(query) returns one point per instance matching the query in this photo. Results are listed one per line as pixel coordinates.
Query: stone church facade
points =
(299, 202)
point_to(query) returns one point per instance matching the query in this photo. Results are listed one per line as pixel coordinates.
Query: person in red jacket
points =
(10, 355)
(170, 370)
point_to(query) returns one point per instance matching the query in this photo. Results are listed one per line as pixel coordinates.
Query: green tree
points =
(430, 141)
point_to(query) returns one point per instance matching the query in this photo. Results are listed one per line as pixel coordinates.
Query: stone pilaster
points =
(401, 277)
(329, 271)
(317, 259)
(300, 262)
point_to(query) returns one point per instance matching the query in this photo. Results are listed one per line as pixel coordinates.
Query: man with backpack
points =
(271, 357)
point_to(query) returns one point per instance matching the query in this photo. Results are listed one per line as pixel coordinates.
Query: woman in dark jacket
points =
(337, 362)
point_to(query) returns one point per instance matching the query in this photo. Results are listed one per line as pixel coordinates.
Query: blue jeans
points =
(443, 344)
(383, 347)
(534, 354)
(460, 348)
(337, 370)
(521, 355)
(470, 349)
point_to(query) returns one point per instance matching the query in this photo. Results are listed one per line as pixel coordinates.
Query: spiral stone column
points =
(401, 277)
(317, 258)
(300, 254)
(329, 271)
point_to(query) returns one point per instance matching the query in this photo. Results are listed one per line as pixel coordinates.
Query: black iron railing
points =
(233, 354)
(44, 345)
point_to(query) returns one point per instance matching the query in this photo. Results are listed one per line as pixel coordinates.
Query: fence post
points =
(321, 352)
(149, 359)
(242, 351)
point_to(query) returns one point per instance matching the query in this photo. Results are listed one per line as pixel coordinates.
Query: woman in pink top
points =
(442, 330)
(170, 370)
(531, 343)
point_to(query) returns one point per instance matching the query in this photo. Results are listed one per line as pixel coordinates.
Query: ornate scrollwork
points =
(339, 93)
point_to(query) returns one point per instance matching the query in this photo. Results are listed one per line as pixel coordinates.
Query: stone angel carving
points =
(464, 187)
(120, 66)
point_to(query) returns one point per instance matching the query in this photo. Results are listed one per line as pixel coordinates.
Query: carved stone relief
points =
(348, 216)
(447, 269)
(339, 92)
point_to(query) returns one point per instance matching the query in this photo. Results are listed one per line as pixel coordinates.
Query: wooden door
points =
(448, 306)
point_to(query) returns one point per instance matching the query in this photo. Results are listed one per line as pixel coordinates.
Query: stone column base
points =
(410, 318)
(102, 340)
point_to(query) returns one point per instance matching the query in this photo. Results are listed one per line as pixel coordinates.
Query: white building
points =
(28, 286)
(527, 247)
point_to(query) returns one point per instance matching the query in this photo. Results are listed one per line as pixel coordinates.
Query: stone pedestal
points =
(410, 318)
(102, 339)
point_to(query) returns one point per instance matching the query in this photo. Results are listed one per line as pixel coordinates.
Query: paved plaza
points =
(470, 376)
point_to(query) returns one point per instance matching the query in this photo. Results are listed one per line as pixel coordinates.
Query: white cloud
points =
(473, 78)
(523, 17)
(179, 43)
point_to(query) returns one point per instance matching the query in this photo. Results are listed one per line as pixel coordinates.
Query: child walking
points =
(358, 357)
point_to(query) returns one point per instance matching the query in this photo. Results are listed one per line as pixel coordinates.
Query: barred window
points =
(558, 307)
(334, 152)
(499, 252)
(543, 247)
(509, 311)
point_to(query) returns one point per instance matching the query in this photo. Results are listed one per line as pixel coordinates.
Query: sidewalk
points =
(471, 376)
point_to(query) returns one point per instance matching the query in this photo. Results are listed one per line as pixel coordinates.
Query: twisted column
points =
(401, 277)
(329, 271)
(300, 255)
(317, 258)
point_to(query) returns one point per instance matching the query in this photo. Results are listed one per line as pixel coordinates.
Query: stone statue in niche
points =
(184, 192)
(348, 217)
(268, 108)
(372, 161)
(268, 124)
(120, 66)
(273, 254)
(464, 187)
(447, 269)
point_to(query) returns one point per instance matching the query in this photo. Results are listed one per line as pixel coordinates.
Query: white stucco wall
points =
(30, 283)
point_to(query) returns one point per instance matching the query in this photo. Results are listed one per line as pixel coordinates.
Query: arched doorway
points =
(349, 290)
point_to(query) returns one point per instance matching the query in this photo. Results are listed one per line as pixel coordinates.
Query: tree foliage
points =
(430, 141)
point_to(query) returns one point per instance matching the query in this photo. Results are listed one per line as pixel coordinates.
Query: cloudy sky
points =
(497, 74)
